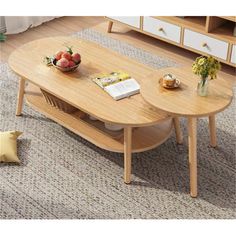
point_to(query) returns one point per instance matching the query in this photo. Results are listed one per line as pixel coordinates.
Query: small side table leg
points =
(127, 154)
(21, 92)
(178, 131)
(110, 24)
(212, 128)
(192, 146)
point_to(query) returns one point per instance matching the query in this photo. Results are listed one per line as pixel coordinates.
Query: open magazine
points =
(117, 84)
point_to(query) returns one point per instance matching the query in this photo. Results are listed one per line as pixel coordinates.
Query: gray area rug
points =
(126, 49)
(62, 176)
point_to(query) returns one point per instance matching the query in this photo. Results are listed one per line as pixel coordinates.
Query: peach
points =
(66, 55)
(76, 57)
(63, 62)
(71, 64)
(58, 55)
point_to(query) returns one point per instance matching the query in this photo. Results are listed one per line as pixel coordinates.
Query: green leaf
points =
(69, 49)
(48, 60)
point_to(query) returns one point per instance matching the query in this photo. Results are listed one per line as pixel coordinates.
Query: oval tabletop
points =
(184, 101)
(77, 87)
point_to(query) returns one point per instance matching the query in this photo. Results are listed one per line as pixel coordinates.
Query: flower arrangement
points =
(206, 66)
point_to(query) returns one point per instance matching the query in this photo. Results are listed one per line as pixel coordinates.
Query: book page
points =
(123, 89)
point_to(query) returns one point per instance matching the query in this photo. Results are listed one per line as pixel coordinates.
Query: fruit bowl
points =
(65, 69)
(64, 61)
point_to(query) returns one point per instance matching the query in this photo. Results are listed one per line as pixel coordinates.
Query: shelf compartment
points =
(231, 18)
(221, 28)
(192, 22)
(225, 32)
(144, 138)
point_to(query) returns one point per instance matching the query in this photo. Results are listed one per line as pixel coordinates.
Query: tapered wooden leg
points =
(110, 24)
(212, 128)
(192, 146)
(127, 154)
(21, 92)
(178, 131)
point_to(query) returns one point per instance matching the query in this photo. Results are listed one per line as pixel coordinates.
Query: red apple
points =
(71, 64)
(66, 55)
(63, 62)
(76, 57)
(58, 55)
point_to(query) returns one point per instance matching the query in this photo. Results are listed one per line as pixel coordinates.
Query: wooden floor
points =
(70, 25)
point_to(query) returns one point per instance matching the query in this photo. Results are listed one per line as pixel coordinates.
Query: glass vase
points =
(202, 87)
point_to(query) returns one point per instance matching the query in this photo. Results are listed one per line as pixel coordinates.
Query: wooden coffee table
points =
(145, 127)
(185, 102)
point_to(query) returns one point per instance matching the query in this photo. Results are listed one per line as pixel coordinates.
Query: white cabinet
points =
(233, 55)
(205, 44)
(162, 28)
(129, 20)
(200, 34)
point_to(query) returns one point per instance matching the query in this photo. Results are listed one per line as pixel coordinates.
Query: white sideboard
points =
(206, 35)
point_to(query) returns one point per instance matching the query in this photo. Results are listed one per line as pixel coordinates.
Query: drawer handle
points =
(204, 45)
(161, 29)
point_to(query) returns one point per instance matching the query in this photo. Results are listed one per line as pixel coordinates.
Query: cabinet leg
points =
(21, 92)
(192, 146)
(212, 129)
(110, 24)
(178, 131)
(127, 154)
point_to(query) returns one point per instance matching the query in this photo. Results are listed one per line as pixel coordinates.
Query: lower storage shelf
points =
(143, 138)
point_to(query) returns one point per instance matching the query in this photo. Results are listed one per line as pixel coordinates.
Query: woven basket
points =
(58, 103)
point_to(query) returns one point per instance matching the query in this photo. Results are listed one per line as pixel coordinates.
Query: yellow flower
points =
(211, 60)
(194, 68)
(206, 66)
(201, 61)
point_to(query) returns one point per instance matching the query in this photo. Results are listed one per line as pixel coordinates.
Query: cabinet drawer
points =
(162, 28)
(205, 44)
(129, 20)
(233, 55)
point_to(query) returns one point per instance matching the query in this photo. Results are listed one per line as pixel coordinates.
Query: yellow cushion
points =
(8, 146)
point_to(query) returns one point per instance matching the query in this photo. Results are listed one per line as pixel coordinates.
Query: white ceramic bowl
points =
(92, 118)
(113, 127)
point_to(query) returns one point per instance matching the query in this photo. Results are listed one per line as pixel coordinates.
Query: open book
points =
(117, 84)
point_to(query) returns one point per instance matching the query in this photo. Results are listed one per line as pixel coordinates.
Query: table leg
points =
(212, 128)
(178, 132)
(127, 154)
(192, 140)
(21, 92)
(110, 24)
